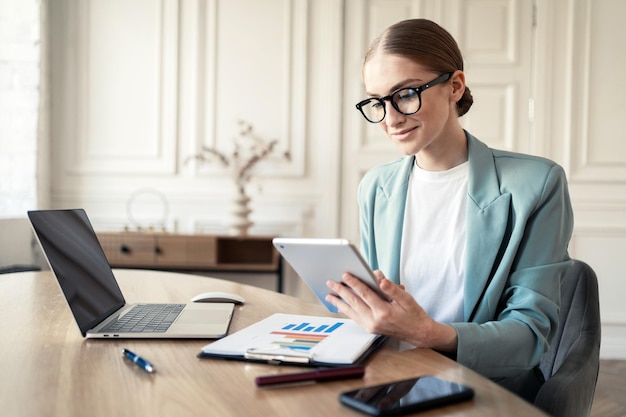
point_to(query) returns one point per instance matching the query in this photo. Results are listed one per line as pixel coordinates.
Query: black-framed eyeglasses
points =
(407, 100)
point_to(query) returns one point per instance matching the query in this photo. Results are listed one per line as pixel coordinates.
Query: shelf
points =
(192, 252)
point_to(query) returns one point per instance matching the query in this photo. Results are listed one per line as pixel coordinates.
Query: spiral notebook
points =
(297, 340)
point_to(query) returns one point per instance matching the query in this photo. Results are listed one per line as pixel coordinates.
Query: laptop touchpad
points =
(202, 317)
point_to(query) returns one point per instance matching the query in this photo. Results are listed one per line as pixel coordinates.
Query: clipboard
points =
(287, 339)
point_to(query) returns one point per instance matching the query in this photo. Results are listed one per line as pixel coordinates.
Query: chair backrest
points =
(571, 365)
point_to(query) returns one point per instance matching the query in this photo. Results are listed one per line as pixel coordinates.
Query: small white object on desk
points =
(218, 297)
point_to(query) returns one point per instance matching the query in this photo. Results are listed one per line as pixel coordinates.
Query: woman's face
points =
(434, 128)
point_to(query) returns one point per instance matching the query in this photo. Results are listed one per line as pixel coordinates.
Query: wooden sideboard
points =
(187, 252)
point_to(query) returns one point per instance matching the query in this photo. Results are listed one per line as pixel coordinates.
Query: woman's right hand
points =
(401, 317)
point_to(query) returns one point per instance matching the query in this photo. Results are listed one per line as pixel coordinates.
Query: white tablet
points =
(319, 260)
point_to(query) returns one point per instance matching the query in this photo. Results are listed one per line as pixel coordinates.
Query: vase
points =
(240, 212)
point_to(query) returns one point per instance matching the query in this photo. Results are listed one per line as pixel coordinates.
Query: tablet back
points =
(319, 260)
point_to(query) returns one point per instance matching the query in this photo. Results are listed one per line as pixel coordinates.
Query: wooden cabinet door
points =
(129, 249)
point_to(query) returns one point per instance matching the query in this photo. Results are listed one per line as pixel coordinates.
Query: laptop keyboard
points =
(146, 318)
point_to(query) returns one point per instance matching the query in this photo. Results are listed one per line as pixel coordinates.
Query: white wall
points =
(19, 104)
(16, 243)
(588, 108)
(140, 87)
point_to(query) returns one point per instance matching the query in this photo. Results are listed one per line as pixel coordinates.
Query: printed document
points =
(296, 338)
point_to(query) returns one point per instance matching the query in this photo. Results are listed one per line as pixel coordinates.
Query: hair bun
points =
(466, 101)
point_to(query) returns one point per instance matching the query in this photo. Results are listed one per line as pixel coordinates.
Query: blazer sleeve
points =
(518, 313)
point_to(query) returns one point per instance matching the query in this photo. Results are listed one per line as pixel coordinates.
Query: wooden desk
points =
(48, 369)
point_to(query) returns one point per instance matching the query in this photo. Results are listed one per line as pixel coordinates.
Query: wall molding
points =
(613, 343)
(293, 91)
(584, 85)
(158, 153)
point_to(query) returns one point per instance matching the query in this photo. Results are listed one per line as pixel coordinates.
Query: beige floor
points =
(610, 398)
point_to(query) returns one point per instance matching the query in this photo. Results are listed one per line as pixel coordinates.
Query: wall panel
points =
(260, 79)
(141, 85)
(496, 42)
(598, 105)
(595, 155)
(125, 62)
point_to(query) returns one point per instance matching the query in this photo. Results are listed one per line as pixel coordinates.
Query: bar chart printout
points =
(321, 340)
(303, 336)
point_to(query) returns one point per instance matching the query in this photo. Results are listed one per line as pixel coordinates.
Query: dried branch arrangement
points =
(249, 150)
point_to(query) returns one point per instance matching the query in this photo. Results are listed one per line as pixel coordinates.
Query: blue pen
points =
(138, 360)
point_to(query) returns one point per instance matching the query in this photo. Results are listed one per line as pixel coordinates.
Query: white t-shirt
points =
(432, 259)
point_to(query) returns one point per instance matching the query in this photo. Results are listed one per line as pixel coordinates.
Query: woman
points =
(469, 243)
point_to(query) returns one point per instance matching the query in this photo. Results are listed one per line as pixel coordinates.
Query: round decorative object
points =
(147, 209)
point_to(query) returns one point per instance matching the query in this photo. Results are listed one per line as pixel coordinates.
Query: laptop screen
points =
(79, 264)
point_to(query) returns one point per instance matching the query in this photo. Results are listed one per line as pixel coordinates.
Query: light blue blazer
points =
(519, 223)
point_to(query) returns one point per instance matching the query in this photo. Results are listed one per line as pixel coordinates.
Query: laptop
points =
(79, 264)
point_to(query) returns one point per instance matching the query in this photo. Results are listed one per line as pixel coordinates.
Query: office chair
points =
(571, 365)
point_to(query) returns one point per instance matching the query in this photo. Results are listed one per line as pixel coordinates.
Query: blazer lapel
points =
(487, 218)
(390, 208)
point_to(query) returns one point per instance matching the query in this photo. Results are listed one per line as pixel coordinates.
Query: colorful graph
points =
(304, 336)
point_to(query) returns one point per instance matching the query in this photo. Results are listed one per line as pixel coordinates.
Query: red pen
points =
(326, 374)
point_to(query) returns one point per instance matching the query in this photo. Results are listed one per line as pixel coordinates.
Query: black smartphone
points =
(406, 396)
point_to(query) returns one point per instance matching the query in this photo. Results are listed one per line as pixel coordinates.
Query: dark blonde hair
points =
(426, 43)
